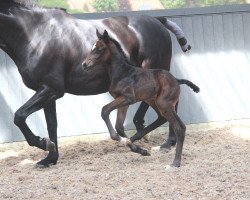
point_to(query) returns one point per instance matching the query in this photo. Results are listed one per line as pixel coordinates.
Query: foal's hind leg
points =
(179, 129)
(171, 140)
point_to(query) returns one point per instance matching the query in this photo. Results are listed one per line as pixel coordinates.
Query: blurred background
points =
(90, 6)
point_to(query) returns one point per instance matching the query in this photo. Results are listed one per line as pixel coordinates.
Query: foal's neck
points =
(119, 65)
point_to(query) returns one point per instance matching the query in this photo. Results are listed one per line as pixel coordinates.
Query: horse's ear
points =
(98, 34)
(105, 36)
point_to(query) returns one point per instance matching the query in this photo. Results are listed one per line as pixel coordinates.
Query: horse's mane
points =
(26, 3)
(118, 46)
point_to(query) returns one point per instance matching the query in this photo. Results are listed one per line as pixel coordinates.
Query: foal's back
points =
(148, 84)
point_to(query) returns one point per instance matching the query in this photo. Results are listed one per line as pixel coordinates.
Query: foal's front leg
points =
(107, 109)
(121, 115)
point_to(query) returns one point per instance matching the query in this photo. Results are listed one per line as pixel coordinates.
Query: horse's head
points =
(100, 52)
(6, 5)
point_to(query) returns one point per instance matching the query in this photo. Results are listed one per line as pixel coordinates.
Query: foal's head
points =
(103, 51)
(100, 53)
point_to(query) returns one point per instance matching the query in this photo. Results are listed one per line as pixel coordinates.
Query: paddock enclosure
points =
(219, 63)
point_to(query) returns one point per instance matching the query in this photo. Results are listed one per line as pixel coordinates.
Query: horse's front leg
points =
(43, 97)
(51, 120)
(107, 109)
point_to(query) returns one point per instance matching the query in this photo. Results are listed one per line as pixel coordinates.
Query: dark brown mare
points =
(130, 84)
(48, 47)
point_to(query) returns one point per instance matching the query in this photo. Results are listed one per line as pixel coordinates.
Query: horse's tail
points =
(190, 84)
(175, 29)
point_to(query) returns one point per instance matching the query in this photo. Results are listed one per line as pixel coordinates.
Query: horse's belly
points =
(87, 83)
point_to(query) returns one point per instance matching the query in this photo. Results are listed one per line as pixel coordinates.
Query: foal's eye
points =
(98, 50)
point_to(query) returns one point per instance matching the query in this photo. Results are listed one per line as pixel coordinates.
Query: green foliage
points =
(107, 5)
(59, 4)
(173, 4)
(54, 3)
(187, 3)
(219, 2)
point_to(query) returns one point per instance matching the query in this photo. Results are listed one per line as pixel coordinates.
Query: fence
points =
(219, 63)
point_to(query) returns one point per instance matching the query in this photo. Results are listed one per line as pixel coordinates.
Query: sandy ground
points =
(215, 165)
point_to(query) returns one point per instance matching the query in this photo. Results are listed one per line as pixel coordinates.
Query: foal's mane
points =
(118, 46)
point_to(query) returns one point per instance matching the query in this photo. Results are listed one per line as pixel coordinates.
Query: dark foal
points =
(130, 84)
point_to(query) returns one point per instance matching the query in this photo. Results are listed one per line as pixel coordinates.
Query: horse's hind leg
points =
(135, 148)
(121, 115)
(139, 116)
(51, 120)
(140, 134)
(158, 122)
(43, 97)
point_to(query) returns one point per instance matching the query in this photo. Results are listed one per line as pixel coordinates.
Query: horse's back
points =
(154, 41)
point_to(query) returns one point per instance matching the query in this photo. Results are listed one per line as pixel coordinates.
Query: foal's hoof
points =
(144, 152)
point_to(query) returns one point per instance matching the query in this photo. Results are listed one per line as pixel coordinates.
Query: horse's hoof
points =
(116, 138)
(41, 166)
(50, 146)
(176, 164)
(51, 159)
(122, 134)
(44, 163)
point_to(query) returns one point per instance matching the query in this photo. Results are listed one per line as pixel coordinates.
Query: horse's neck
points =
(12, 36)
(17, 39)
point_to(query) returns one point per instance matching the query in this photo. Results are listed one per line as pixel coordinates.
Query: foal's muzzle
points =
(85, 66)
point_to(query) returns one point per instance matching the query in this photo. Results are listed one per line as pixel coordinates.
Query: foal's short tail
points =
(190, 84)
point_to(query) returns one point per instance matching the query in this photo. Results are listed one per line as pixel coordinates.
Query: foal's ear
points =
(105, 36)
(98, 34)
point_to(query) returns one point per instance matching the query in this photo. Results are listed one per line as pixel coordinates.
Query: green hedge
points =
(107, 5)
(60, 4)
